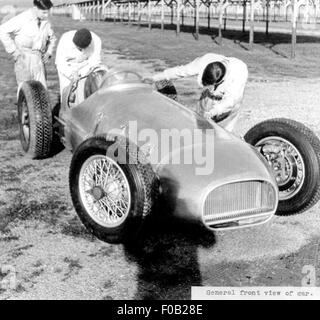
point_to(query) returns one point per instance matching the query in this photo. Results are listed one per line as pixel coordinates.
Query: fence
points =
(197, 13)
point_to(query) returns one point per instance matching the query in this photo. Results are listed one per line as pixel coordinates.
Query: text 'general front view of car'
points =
(133, 146)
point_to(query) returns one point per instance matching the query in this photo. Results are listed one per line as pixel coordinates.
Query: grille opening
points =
(231, 204)
(240, 223)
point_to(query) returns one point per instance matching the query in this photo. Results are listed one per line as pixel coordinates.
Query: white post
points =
(149, 15)
(251, 35)
(162, 15)
(178, 16)
(129, 12)
(294, 28)
(197, 5)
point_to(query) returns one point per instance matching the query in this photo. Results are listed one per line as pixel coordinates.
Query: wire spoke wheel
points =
(287, 164)
(105, 191)
(111, 198)
(292, 152)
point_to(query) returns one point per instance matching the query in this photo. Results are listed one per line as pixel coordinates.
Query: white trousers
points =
(64, 82)
(30, 66)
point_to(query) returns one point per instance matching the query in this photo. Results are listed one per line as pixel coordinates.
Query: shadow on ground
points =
(166, 252)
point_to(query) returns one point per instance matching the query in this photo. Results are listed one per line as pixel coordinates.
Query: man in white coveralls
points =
(30, 40)
(223, 80)
(77, 52)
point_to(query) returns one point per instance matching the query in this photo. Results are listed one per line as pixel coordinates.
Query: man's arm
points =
(10, 27)
(94, 59)
(188, 70)
(63, 62)
(52, 39)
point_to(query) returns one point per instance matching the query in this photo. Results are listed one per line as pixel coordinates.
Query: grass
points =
(23, 209)
(37, 273)
(74, 228)
(9, 238)
(74, 267)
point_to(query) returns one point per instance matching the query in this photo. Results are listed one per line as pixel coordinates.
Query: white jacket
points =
(23, 32)
(69, 59)
(232, 87)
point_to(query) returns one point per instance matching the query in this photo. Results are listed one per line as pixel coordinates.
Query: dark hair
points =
(213, 73)
(43, 4)
(82, 38)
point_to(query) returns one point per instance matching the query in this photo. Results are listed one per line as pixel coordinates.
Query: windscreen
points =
(120, 77)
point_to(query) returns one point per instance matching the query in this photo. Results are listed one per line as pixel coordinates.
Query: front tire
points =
(35, 120)
(111, 198)
(293, 153)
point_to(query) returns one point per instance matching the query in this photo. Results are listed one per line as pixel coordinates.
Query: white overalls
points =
(33, 38)
(230, 91)
(69, 59)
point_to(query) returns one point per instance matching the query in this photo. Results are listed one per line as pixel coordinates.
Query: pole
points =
(162, 15)
(294, 29)
(244, 16)
(209, 15)
(139, 14)
(99, 10)
(149, 15)
(267, 17)
(221, 10)
(251, 35)
(197, 4)
(178, 16)
(103, 9)
(129, 13)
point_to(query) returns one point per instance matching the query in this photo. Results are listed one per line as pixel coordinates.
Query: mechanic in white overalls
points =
(29, 39)
(223, 79)
(77, 52)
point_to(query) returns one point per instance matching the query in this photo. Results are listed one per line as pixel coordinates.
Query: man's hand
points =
(148, 80)
(75, 75)
(17, 54)
(207, 93)
(210, 114)
(46, 57)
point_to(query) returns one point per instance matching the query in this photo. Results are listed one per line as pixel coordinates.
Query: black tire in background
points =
(35, 119)
(308, 145)
(143, 185)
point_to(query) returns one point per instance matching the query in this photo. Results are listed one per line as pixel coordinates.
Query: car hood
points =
(113, 108)
(137, 111)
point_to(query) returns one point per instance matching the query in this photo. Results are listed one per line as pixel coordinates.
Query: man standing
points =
(29, 39)
(223, 79)
(77, 52)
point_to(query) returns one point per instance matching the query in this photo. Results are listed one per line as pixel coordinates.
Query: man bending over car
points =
(223, 80)
(77, 52)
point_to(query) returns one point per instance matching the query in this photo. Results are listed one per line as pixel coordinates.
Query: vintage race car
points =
(114, 183)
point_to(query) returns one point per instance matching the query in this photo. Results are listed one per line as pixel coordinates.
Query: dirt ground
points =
(52, 254)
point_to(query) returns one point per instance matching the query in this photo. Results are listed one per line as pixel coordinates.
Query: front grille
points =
(240, 200)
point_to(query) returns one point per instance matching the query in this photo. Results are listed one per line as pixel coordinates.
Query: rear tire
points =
(35, 120)
(299, 181)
